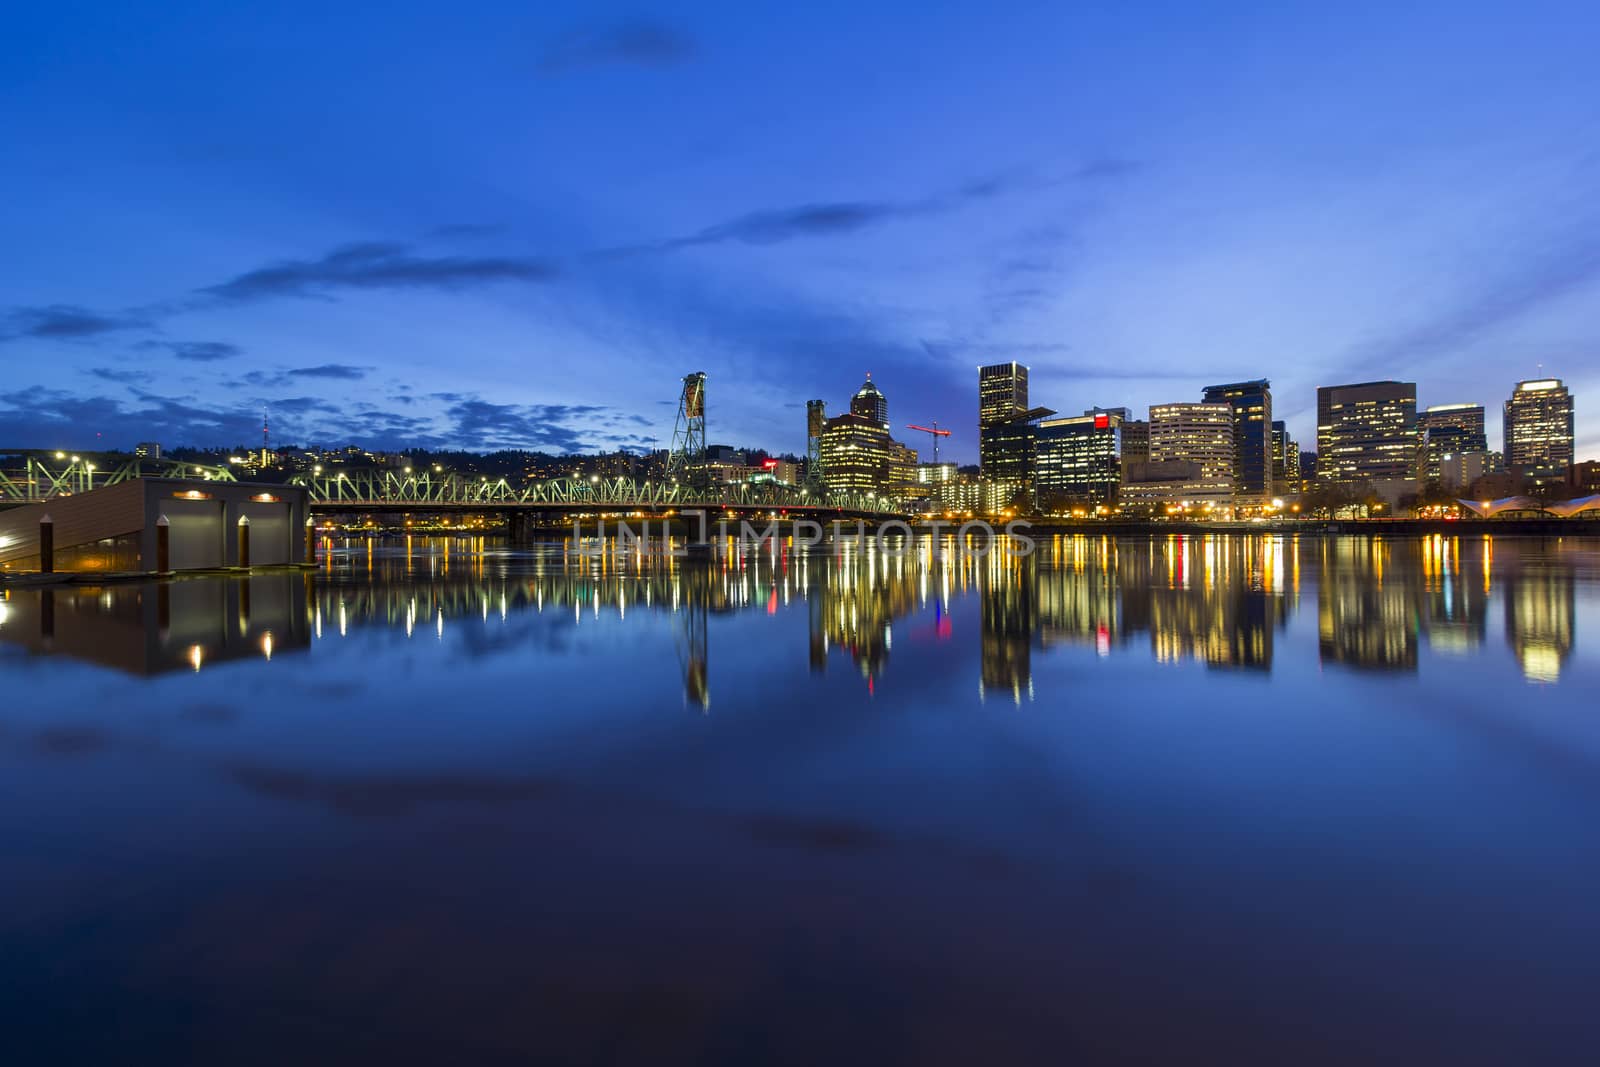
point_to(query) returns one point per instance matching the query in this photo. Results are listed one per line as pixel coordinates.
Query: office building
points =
(1584, 478)
(901, 474)
(1285, 461)
(870, 403)
(1006, 436)
(1002, 394)
(1459, 470)
(1196, 433)
(147, 450)
(855, 454)
(1367, 433)
(1007, 456)
(1447, 429)
(1252, 436)
(1135, 441)
(1539, 425)
(1078, 459)
(1191, 458)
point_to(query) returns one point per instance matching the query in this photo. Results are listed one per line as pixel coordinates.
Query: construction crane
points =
(932, 431)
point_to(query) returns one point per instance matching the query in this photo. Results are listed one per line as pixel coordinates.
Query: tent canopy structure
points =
(1565, 509)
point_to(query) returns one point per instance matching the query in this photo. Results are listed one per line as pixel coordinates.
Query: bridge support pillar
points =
(47, 545)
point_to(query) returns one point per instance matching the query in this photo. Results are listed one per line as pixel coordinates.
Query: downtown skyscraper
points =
(1367, 432)
(1252, 435)
(1539, 425)
(1448, 430)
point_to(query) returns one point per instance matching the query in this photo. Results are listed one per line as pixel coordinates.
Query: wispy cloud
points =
(194, 351)
(638, 43)
(519, 425)
(39, 417)
(124, 377)
(376, 265)
(842, 218)
(63, 322)
(1524, 285)
(265, 379)
(1062, 367)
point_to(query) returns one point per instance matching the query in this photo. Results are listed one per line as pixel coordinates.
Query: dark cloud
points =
(341, 371)
(262, 379)
(124, 377)
(37, 417)
(194, 351)
(843, 218)
(637, 43)
(531, 426)
(376, 265)
(63, 322)
(303, 405)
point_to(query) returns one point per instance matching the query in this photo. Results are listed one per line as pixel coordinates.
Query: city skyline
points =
(529, 245)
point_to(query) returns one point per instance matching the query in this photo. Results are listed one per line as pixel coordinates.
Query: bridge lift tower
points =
(816, 422)
(687, 459)
(932, 431)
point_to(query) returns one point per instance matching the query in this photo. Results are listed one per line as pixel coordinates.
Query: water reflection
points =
(1220, 601)
(161, 627)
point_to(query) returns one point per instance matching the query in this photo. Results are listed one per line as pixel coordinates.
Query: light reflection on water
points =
(1218, 600)
(444, 797)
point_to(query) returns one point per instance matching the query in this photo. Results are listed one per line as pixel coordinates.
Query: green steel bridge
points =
(390, 491)
(27, 477)
(31, 477)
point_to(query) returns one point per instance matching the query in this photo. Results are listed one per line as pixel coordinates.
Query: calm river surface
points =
(1207, 799)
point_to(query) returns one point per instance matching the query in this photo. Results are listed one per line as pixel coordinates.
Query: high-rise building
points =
(1539, 425)
(1444, 430)
(1078, 458)
(1002, 394)
(1007, 454)
(1135, 441)
(1252, 435)
(1006, 434)
(1198, 433)
(1191, 458)
(147, 450)
(869, 402)
(1367, 432)
(1285, 460)
(855, 454)
(901, 474)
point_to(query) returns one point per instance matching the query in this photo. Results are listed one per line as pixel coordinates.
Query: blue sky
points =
(512, 225)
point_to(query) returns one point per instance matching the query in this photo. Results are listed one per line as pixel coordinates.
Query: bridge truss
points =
(390, 490)
(29, 477)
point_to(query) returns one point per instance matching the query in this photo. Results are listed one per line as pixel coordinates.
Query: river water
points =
(1180, 799)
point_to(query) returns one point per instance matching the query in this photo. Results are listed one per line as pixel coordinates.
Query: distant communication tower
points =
(686, 460)
(816, 421)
